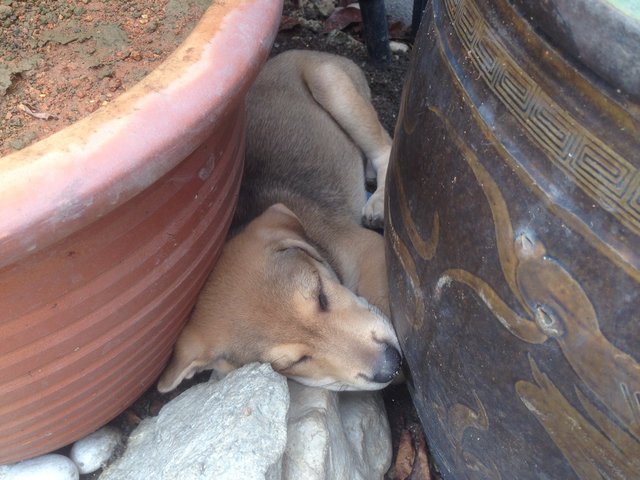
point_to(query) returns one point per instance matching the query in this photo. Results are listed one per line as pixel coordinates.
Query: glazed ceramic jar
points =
(513, 239)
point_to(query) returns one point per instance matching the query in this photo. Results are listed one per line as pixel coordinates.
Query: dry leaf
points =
(288, 23)
(404, 458)
(155, 407)
(420, 469)
(41, 115)
(341, 18)
(132, 418)
(398, 31)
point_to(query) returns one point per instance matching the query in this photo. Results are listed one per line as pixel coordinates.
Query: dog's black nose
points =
(388, 365)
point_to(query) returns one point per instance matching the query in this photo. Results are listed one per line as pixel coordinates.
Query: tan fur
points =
(289, 286)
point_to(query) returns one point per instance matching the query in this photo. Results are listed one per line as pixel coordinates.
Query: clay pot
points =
(109, 228)
(513, 240)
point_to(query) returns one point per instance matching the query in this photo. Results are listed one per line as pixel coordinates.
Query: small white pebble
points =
(94, 451)
(46, 467)
(398, 46)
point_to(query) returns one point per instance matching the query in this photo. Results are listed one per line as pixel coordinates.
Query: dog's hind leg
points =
(341, 89)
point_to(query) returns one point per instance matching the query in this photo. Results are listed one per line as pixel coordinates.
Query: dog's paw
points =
(373, 211)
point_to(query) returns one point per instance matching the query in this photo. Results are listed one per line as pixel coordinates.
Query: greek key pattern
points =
(605, 176)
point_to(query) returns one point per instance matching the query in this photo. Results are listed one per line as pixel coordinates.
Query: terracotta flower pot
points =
(109, 228)
(514, 239)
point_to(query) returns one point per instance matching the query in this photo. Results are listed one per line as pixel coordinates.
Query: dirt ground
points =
(305, 27)
(60, 60)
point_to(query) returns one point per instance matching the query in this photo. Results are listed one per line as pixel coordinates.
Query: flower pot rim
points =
(64, 182)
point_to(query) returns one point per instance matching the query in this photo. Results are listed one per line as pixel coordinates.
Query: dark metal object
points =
(513, 243)
(376, 33)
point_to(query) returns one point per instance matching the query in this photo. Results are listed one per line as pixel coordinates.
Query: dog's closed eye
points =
(301, 360)
(323, 302)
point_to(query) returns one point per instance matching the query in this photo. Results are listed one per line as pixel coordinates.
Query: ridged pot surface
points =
(109, 228)
(513, 241)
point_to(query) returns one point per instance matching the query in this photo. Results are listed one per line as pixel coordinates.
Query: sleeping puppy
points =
(301, 284)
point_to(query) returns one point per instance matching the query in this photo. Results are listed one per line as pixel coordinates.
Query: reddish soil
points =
(60, 60)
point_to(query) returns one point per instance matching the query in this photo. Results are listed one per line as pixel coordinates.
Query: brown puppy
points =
(301, 284)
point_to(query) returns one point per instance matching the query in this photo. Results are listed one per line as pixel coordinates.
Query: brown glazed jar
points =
(513, 241)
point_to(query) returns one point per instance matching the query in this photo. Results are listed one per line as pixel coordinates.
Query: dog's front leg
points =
(363, 255)
(373, 211)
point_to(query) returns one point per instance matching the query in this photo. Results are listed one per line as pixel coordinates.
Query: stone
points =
(45, 467)
(396, 47)
(338, 37)
(5, 11)
(324, 7)
(151, 27)
(94, 451)
(65, 34)
(366, 426)
(232, 429)
(106, 71)
(23, 141)
(239, 427)
(7, 72)
(335, 435)
(110, 37)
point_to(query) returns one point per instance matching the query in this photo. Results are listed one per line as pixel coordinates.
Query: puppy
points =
(301, 284)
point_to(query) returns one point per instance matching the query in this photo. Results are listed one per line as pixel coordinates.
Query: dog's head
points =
(273, 298)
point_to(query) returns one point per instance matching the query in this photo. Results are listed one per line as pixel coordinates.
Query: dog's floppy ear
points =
(282, 209)
(278, 216)
(284, 355)
(189, 357)
(281, 228)
(178, 370)
(291, 233)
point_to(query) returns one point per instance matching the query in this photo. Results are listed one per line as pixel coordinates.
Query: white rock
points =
(94, 451)
(366, 426)
(398, 46)
(46, 467)
(336, 435)
(237, 429)
(308, 432)
(229, 430)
